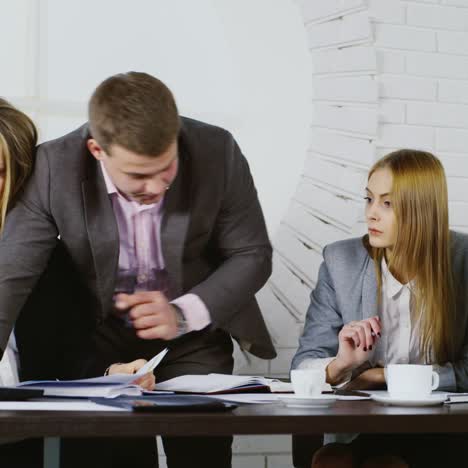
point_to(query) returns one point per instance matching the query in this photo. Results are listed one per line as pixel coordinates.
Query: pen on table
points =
(343, 392)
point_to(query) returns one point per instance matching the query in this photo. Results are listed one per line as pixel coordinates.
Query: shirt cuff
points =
(322, 364)
(195, 312)
(447, 380)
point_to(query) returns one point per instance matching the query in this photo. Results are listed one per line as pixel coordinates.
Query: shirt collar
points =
(110, 187)
(112, 190)
(391, 285)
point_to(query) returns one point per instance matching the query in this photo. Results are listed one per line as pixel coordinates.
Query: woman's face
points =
(380, 216)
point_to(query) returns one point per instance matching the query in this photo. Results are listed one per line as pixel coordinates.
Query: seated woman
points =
(397, 295)
(18, 138)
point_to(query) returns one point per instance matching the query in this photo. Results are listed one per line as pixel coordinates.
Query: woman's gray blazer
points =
(346, 290)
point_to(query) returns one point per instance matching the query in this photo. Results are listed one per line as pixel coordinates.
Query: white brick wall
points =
(435, 17)
(437, 65)
(346, 30)
(387, 74)
(404, 37)
(387, 11)
(407, 87)
(454, 91)
(313, 11)
(453, 42)
(355, 60)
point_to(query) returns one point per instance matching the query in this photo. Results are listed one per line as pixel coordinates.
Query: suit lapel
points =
(175, 222)
(369, 291)
(102, 232)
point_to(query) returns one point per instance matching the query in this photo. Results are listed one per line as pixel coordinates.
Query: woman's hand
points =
(355, 341)
(371, 379)
(146, 381)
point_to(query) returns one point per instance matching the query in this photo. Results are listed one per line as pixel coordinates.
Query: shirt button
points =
(141, 278)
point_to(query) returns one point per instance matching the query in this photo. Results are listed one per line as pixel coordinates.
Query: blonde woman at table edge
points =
(18, 138)
(397, 295)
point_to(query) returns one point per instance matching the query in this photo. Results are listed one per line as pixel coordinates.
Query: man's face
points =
(143, 179)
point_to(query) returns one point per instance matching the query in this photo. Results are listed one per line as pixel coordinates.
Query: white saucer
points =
(295, 401)
(431, 400)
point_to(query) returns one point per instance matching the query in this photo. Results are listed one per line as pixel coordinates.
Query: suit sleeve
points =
(453, 376)
(241, 239)
(323, 321)
(26, 243)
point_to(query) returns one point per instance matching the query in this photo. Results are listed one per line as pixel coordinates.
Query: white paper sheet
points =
(106, 386)
(72, 405)
(212, 383)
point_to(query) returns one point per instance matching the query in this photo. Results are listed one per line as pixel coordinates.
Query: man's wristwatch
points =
(182, 325)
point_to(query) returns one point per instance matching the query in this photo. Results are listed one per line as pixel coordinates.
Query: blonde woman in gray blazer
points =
(397, 295)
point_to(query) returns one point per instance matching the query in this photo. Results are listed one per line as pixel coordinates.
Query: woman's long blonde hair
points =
(18, 137)
(422, 248)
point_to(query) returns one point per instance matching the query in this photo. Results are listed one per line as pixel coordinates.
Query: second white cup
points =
(411, 380)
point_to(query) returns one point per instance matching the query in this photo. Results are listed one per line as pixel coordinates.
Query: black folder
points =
(167, 403)
(19, 394)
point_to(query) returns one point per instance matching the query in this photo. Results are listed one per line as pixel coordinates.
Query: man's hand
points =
(146, 381)
(152, 316)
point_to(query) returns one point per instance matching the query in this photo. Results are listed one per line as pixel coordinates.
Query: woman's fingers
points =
(363, 333)
(367, 330)
(354, 334)
(375, 325)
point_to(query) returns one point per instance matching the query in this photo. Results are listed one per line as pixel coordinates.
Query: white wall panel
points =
(348, 30)
(356, 60)
(330, 205)
(356, 148)
(18, 53)
(360, 120)
(321, 10)
(338, 176)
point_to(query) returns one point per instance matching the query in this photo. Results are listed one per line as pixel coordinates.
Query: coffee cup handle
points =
(435, 380)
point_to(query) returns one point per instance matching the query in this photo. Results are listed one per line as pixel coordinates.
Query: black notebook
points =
(182, 403)
(18, 394)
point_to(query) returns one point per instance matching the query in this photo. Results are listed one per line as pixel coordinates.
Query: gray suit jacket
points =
(213, 234)
(346, 290)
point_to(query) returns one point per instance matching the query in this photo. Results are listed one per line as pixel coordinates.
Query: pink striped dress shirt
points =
(141, 254)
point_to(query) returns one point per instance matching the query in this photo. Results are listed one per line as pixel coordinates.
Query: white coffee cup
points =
(308, 382)
(410, 381)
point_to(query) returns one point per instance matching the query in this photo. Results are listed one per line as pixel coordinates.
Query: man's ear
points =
(95, 149)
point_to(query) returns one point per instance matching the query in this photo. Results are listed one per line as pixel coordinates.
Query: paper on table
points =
(106, 386)
(71, 405)
(152, 363)
(214, 383)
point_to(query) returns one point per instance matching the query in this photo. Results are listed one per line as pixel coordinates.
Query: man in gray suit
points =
(161, 227)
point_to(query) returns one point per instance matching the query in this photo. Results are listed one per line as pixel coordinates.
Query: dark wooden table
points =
(344, 416)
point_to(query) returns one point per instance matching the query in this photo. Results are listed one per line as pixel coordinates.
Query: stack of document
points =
(109, 386)
(457, 398)
(223, 383)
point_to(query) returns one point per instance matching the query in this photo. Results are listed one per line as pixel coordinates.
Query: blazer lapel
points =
(369, 291)
(103, 234)
(175, 222)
